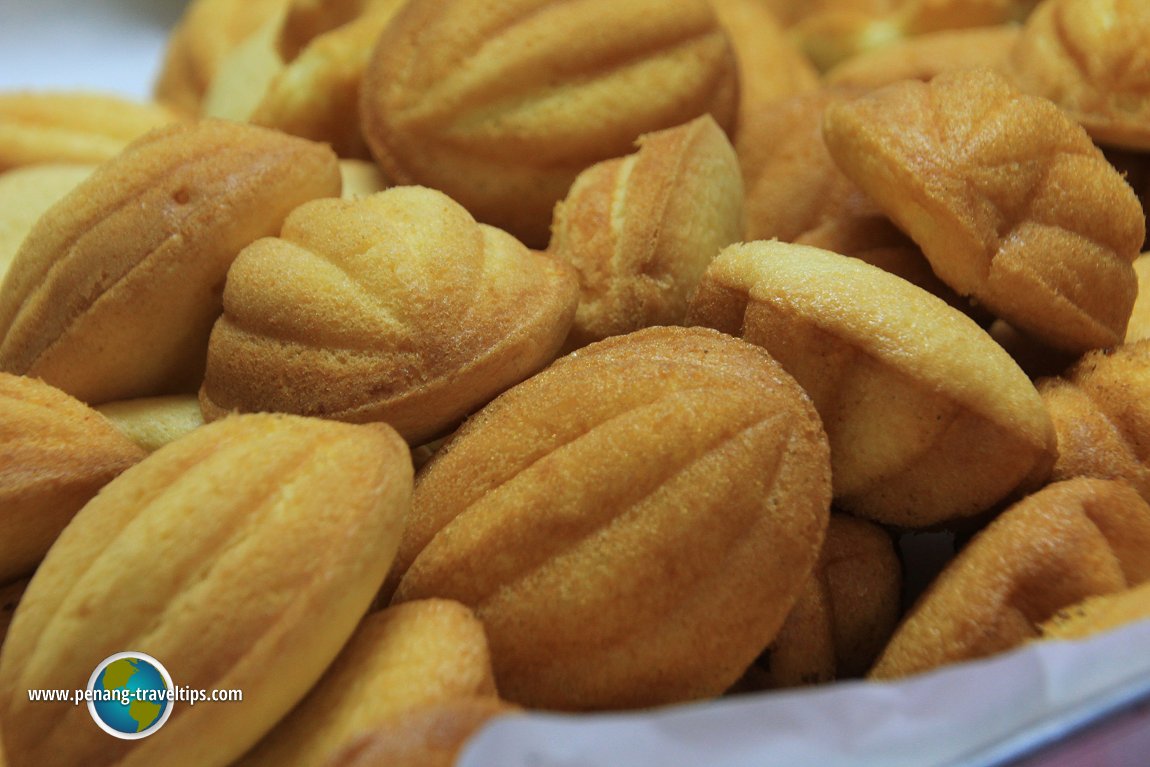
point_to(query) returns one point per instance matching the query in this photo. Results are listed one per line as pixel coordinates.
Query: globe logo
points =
(130, 695)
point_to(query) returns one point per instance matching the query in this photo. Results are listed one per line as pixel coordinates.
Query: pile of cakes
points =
(408, 364)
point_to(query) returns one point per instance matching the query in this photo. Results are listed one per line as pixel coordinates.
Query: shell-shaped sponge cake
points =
(395, 307)
(1009, 199)
(317, 94)
(792, 184)
(432, 735)
(846, 613)
(113, 293)
(206, 33)
(399, 659)
(925, 56)
(641, 229)
(929, 419)
(247, 529)
(57, 453)
(1092, 58)
(501, 103)
(25, 194)
(771, 66)
(71, 127)
(1097, 614)
(632, 524)
(1139, 327)
(1101, 412)
(841, 30)
(1070, 541)
(300, 71)
(152, 422)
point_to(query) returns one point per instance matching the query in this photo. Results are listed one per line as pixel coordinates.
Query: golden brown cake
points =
(317, 94)
(1101, 412)
(398, 660)
(771, 66)
(631, 525)
(1008, 198)
(924, 16)
(262, 538)
(205, 34)
(802, 653)
(1095, 615)
(245, 72)
(300, 71)
(361, 178)
(152, 422)
(796, 193)
(308, 19)
(790, 12)
(432, 735)
(113, 293)
(1139, 326)
(502, 104)
(845, 615)
(422, 423)
(25, 194)
(396, 307)
(791, 183)
(844, 30)
(1092, 58)
(641, 229)
(929, 420)
(55, 454)
(875, 239)
(1070, 541)
(71, 127)
(925, 56)
(830, 37)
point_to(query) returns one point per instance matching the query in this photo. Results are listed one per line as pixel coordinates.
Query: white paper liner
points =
(969, 715)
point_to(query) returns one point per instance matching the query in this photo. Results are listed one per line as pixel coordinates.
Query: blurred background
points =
(108, 45)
